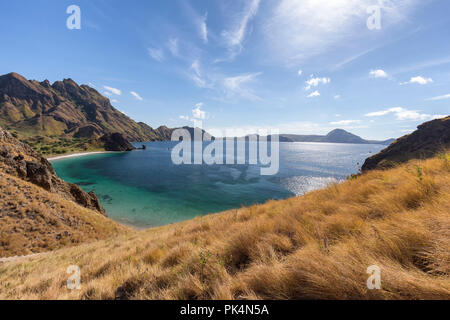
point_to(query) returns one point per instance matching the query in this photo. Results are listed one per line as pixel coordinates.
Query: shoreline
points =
(80, 154)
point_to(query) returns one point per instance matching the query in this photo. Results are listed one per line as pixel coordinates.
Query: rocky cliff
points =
(116, 142)
(33, 108)
(19, 160)
(429, 139)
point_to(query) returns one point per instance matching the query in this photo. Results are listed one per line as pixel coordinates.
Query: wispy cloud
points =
(404, 114)
(237, 85)
(137, 96)
(310, 27)
(173, 46)
(112, 90)
(203, 28)
(345, 122)
(196, 75)
(235, 35)
(445, 96)
(156, 53)
(418, 80)
(422, 65)
(379, 73)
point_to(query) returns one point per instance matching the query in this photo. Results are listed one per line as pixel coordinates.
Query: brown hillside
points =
(18, 159)
(429, 139)
(33, 220)
(35, 108)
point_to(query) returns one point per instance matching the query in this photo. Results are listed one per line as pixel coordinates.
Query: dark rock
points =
(116, 142)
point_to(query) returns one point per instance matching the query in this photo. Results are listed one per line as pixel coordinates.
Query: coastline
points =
(80, 154)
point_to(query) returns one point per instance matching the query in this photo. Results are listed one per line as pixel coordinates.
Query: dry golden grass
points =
(315, 246)
(33, 220)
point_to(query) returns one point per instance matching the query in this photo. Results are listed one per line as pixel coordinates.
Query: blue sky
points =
(236, 63)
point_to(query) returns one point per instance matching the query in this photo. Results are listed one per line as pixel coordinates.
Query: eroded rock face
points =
(20, 160)
(429, 139)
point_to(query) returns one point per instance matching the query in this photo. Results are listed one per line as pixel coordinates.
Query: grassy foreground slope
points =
(316, 246)
(34, 220)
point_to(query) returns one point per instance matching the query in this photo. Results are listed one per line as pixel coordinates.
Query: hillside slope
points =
(315, 246)
(430, 138)
(38, 210)
(34, 220)
(19, 160)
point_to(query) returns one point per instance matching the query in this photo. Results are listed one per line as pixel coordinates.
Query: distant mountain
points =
(429, 139)
(335, 136)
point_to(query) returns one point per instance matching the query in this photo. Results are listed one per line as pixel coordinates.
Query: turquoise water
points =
(144, 188)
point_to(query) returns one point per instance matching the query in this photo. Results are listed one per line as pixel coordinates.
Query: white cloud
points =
(195, 66)
(198, 113)
(236, 34)
(114, 101)
(445, 96)
(311, 27)
(112, 90)
(173, 46)
(196, 75)
(404, 114)
(345, 122)
(337, 97)
(137, 96)
(378, 73)
(300, 72)
(314, 82)
(203, 28)
(419, 80)
(156, 54)
(237, 85)
(314, 94)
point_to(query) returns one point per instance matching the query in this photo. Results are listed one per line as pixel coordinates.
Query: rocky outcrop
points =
(429, 139)
(116, 142)
(20, 160)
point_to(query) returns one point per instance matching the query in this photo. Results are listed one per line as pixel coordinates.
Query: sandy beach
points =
(73, 155)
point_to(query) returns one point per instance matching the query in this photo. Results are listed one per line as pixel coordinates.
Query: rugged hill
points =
(429, 139)
(64, 116)
(335, 136)
(39, 211)
(19, 160)
(64, 108)
(318, 246)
